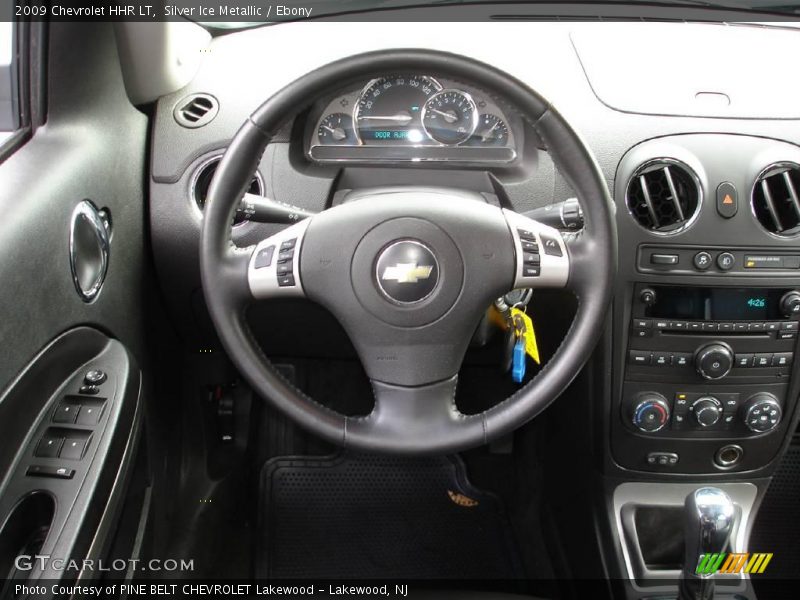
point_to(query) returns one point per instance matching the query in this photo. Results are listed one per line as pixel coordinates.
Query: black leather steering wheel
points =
(408, 272)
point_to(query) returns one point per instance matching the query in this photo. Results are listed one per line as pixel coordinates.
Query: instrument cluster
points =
(412, 117)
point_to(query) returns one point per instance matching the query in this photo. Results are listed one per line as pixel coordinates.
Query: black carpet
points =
(362, 516)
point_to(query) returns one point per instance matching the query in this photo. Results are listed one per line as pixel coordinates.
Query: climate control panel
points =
(696, 412)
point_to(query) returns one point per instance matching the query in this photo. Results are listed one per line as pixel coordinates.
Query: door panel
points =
(92, 146)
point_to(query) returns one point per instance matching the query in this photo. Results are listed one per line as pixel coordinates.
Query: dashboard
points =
(413, 117)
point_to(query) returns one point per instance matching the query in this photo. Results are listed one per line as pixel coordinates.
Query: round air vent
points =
(196, 110)
(202, 181)
(775, 199)
(664, 196)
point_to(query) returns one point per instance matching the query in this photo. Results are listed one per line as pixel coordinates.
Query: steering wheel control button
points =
(727, 200)
(264, 257)
(725, 261)
(651, 414)
(407, 272)
(551, 245)
(529, 245)
(288, 244)
(95, 377)
(285, 280)
(285, 268)
(702, 261)
(527, 235)
(714, 361)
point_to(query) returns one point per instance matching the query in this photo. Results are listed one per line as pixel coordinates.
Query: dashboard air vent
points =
(775, 199)
(196, 110)
(663, 196)
(202, 182)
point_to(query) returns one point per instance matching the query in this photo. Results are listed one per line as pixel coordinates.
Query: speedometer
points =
(389, 109)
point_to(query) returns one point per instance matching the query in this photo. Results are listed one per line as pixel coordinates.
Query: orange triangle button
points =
(727, 199)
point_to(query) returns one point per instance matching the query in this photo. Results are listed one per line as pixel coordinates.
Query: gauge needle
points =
(338, 134)
(485, 136)
(400, 117)
(450, 116)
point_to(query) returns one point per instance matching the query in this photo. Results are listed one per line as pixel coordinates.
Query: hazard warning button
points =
(727, 200)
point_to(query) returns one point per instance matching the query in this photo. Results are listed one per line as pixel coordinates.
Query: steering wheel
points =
(409, 272)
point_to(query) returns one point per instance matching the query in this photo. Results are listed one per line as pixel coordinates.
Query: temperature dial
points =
(651, 412)
(763, 413)
(336, 128)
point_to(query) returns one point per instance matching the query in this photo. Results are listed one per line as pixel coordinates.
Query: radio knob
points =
(714, 361)
(651, 412)
(762, 413)
(706, 411)
(790, 303)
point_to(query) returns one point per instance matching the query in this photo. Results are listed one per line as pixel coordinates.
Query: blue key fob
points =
(518, 360)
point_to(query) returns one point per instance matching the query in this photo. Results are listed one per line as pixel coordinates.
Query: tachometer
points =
(450, 116)
(389, 109)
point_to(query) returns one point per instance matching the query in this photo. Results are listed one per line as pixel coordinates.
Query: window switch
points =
(90, 413)
(66, 412)
(49, 446)
(73, 448)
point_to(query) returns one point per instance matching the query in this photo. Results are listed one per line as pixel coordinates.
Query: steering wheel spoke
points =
(274, 267)
(403, 414)
(542, 259)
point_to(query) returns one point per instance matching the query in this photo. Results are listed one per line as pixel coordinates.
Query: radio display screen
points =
(716, 304)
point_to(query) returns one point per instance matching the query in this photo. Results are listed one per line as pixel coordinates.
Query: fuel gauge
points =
(491, 131)
(336, 129)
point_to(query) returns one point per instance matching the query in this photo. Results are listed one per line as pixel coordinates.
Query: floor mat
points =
(363, 516)
(777, 528)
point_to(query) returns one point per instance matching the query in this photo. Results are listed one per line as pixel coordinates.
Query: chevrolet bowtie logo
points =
(407, 273)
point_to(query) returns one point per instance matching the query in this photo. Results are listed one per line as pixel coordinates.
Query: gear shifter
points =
(709, 521)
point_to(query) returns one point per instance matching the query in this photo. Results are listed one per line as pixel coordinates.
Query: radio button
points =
(787, 335)
(741, 326)
(678, 325)
(639, 357)
(695, 326)
(642, 323)
(710, 326)
(641, 333)
(790, 325)
(744, 360)
(757, 327)
(662, 359)
(681, 359)
(726, 326)
(762, 359)
(662, 324)
(782, 359)
(714, 361)
(774, 326)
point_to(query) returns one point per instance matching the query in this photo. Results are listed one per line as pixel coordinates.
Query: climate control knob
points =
(651, 412)
(762, 413)
(706, 410)
(714, 361)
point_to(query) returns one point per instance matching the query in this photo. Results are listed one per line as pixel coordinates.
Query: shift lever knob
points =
(709, 516)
